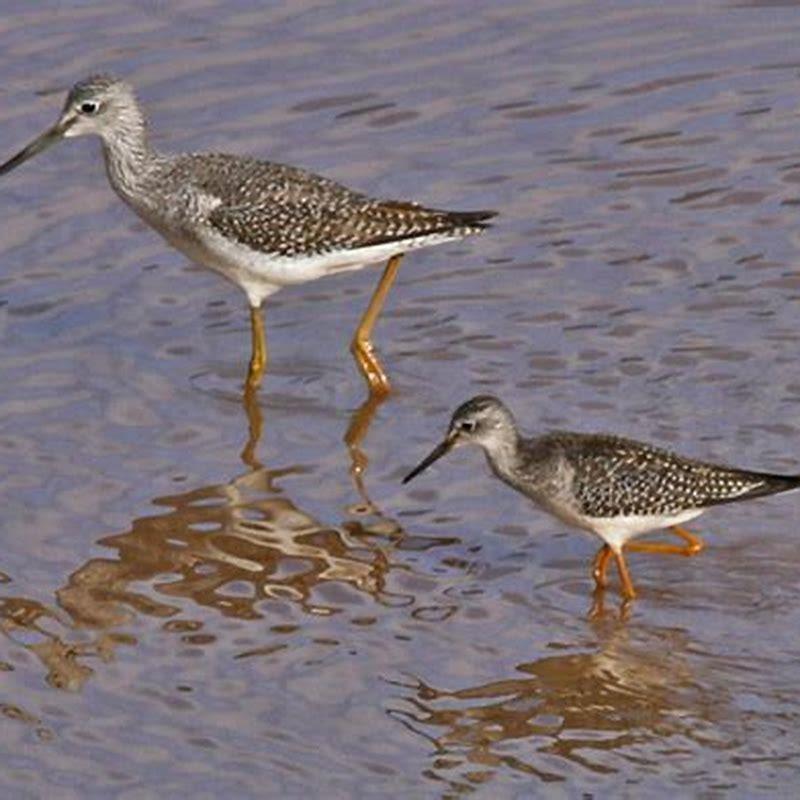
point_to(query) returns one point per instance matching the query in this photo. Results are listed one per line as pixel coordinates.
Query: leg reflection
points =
(589, 709)
(598, 610)
(354, 436)
(237, 547)
(255, 428)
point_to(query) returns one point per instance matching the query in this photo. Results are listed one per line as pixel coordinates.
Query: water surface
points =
(180, 619)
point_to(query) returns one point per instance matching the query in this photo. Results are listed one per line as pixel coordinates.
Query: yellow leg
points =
(599, 566)
(361, 346)
(258, 357)
(628, 592)
(694, 544)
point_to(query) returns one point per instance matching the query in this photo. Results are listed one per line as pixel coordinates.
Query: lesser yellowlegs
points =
(261, 225)
(614, 487)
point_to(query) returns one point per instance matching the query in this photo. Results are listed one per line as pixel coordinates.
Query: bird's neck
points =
(128, 154)
(502, 451)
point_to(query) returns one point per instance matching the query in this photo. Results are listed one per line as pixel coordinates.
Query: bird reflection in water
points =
(560, 714)
(229, 546)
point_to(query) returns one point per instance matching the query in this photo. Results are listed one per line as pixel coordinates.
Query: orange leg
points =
(628, 592)
(599, 566)
(694, 544)
(361, 346)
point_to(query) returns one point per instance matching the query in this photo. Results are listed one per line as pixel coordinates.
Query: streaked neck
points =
(127, 152)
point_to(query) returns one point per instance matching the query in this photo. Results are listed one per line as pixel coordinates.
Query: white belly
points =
(259, 275)
(616, 531)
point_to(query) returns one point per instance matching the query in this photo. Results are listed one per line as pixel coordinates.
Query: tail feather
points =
(470, 219)
(420, 223)
(767, 484)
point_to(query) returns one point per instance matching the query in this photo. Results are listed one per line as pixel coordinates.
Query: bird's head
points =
(99, 104)
(484, 420)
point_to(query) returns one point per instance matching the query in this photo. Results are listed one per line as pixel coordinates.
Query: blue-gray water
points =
(177, 624)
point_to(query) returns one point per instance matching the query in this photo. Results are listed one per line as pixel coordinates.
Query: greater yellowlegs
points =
(261, 225)
(614, 487)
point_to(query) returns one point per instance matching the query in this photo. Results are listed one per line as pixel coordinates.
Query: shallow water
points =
(182, 619)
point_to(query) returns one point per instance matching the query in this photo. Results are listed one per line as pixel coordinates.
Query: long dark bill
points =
(50, 136)
(440, 450)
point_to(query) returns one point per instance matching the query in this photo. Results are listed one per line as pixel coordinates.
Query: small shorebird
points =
(259, 224)
(614, 487)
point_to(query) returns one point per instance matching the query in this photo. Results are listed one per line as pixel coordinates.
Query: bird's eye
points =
(89, 107)
(467, 427)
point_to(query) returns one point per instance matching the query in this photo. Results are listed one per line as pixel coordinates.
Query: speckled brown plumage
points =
(275, 209)
(613, 476)
(286, 211)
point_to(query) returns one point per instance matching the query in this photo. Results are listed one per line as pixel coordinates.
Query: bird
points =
(614, 487)
(262, 225)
